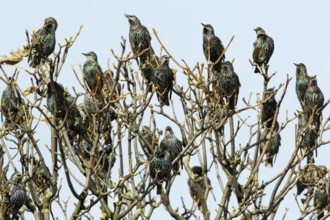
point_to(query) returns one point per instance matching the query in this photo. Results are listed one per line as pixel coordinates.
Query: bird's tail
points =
(269, 161)
(300, 187)
(256, 70)
(159, 189)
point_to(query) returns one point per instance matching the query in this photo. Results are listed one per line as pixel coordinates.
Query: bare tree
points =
(119, 125)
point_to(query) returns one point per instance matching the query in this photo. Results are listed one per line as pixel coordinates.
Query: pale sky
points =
(299, 29)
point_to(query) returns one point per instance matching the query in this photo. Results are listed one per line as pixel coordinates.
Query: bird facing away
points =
(228, 84)
(274, 144)
(93, 74)
(148, 141)
(173, 145)
(160, 168)
(302, 81)
(43, 42)
(15, 196)
(309, 176)
(314, 99)
(321, 197)
(163, 80)
(13, 107)
(60, 97)
(268, 108)
(106, 156)
(212, 46)
(197, 185)
(148, 67)
(263, 49)
(307, 134)
(139, 38)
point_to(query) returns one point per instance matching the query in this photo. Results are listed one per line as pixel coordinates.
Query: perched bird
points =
(173, 145)
(93, 74)
(111, 88)
(139, 38)
(212, 46)
(148, 67)
(268, 108)
(56, 89)
(309, 176)
(227, 82)
(197, 185)
(219, 116)
(163, 80)
(321, 196)
(106, 157)
(302, 81)
(15, 196)
(148, 141)
(93, 102)
(160, 168)
(43, 42)
(76, 120)
(274, 144)
(13, 107)
(39, 177)
(263, 49)
(307, 134)
(314, 99)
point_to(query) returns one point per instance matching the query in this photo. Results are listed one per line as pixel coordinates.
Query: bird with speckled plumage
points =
(263, 49)
(173, 145)
(92, 72)
(212, 46)
(163, 81)
(43, 42)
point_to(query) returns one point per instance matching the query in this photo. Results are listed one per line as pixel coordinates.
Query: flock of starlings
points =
(158, 76)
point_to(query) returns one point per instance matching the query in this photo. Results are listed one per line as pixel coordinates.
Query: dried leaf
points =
(14, 57)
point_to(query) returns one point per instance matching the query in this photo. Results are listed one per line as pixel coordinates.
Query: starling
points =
(148, 141)
(268, 108)
(93, 74)
(39, 177)
(314, 99)
(148, 67)
(219, 118)
(43, 42)
(174, 146)
(274, 144)
(106, 156)
(197, 185)
(93, 103)
(212, 46)
(139, 38)
(111, 88)
(160, 168)
(321, 197)
(56, 89)
(227, 82)
(307, 134)
(263, 49)
(13, 107)
(301, 82)
(15, 196)
(163, 80)
(76, 120)
(309, 176)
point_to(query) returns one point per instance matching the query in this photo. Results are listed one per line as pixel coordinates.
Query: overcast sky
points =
(300, 29)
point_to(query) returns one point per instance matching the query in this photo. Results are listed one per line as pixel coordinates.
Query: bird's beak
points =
(295, 64)
(127, 16)
(169, 57)
(255, 29)
(203, 24)
(85, 54)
